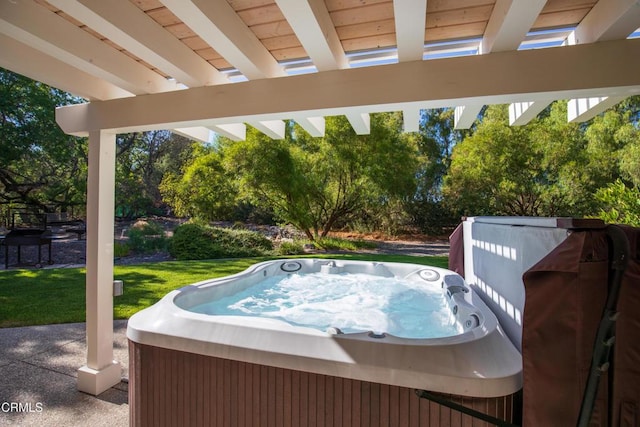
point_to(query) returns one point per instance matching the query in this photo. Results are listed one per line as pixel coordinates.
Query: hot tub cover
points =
(565, 296)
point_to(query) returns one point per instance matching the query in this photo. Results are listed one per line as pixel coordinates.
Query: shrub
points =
(197, 241)
(149, 228)
(190, 241)
(336, 243)
(121, 249)
(290, 248)
(250, 239)
(147, 238)
(433, 217)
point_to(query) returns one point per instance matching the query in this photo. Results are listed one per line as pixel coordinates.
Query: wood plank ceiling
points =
(361, 25)
(255, 39)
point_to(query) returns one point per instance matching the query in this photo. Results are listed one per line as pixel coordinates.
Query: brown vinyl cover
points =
(565, 296)
(456, 251)
(626, 389)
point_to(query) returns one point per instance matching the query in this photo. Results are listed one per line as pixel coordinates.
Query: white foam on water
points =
(350, 302)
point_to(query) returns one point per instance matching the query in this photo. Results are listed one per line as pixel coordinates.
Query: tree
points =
(318, 183)
(620, 203)
(142, 160)
(203, 188)
(436, 141)
(549, 167)
(492, 171)
(630, 160)
(40, 166)
(615, 139)
(566, 188)
(531, 170)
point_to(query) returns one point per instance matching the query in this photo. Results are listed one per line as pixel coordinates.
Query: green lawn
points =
(40, 297)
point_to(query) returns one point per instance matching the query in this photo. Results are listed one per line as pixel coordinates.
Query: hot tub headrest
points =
(454, 284)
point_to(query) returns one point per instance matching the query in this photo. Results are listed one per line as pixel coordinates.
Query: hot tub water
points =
(348, 302)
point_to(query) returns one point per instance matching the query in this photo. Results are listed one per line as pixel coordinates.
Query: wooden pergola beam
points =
(527, 76)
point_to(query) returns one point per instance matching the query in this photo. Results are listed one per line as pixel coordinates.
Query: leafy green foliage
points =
(630, 162)
(142, 161)
(548, 167)
(290, 248)
(519, 170)
(197, 241)
(121, 249)
(203, 189)
(42, 167)
(621, 204)
(433, 216)
(494, 170)
(427, 210)
(39, 164)
(338, 244)
(148, 238)
(319, 183)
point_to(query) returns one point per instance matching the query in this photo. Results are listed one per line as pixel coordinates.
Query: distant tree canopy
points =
(511, 170)
(46, 170)
(548, 167)
(387, 180)
(202, 188)
(39, 165)
(436, 141)
(142, 160)
(614, 140)
(312, 183)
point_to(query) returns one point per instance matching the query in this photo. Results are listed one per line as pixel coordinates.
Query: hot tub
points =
(476, 361)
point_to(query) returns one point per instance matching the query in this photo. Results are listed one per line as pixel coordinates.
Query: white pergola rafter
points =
(311, 22)
(608, 20)
(220, 26)
(521, 113)
(410, 17)
(313, 125)
(506, 30)
(196, 133)
(360, 122)
(274, 129)
(509, 23)
(583, 109)
(77, 56)
(233, 131)
(39, 66)
(409, 21)
(465, 115)
(411, 118)
(53, 35)
(126, 25)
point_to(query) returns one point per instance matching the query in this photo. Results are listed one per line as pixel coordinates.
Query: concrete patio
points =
(38, 375)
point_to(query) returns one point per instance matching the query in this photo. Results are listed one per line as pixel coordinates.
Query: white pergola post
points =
(101, 372)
